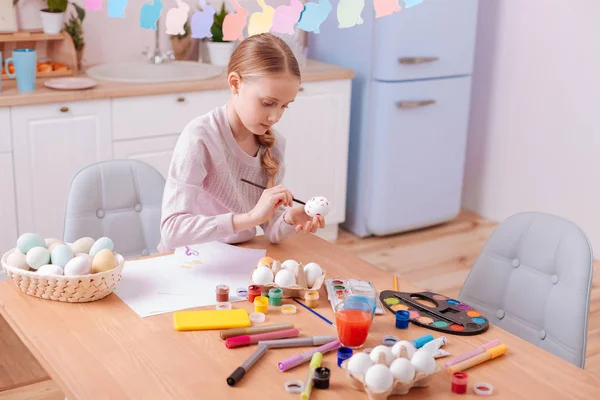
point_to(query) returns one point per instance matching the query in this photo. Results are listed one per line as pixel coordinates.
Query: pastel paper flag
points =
(176, 18)
(149, 14)
(202, 21)
(385, 7)
(348, 13)
(286, 17)
(116, 8)
(412, 3)
(93, 5)
(261, 21)
(234, 23)
(314, 15)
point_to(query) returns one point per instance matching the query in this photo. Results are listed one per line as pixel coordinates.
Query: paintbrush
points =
(262, 187)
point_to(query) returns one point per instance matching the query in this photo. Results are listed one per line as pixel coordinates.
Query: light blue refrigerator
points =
(409, 114)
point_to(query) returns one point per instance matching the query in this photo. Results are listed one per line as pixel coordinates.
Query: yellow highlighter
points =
(315, 363)
(489, 354)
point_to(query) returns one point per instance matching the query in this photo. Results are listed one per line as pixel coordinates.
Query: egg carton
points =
(398, 388)
(292, 291)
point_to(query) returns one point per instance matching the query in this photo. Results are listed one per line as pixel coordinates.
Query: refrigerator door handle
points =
(414, 104)
(417, 60)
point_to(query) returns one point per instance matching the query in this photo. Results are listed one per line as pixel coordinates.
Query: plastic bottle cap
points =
(390, 340)
(483, 389)
(343, 353)
(241, 292)
(223, 305)
(257, 317)
(295, 386)
(288, 309)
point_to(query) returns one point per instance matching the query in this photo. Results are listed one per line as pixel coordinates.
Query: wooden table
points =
(103, 350)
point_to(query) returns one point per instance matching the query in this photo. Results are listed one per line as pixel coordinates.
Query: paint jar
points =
(402, 319)
(312, 299)
(222, 293)
(253, 291)
(261, 304)
(321, 378)
(459, 382)
(343, 353)
(275, 295)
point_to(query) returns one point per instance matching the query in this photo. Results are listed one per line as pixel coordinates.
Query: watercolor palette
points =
(437, 312)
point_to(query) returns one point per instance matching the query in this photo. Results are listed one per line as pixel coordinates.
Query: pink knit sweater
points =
(204, 188)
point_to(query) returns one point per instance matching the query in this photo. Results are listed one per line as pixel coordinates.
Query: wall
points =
(534, 137)
(121, 39)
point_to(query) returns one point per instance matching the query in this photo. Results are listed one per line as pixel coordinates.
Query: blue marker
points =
(419, 342)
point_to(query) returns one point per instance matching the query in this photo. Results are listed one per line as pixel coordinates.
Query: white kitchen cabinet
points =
(154, 151)
(5, 141)
(8, 210)
(316, 129)
(51, 143)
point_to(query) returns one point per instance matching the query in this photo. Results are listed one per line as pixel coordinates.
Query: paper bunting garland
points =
(314, 15)
(283, 19)
(176, 19)
(383, 8)
(149, 14)
(116, 8)
(261, 21)
(202, 21)
(234, 23)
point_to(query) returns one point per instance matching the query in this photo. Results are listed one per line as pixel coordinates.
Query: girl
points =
(204, 198)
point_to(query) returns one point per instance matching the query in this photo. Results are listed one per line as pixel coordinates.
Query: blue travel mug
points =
(25, 62)
(402, 319)
(343, 353)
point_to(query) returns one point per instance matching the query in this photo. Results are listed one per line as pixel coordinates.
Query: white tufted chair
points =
(533, 278)
(120, 199)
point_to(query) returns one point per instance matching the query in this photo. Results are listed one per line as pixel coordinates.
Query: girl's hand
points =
(268, 203)
(303, 222)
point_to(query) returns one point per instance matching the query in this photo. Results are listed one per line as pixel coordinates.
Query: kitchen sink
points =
(146, 72)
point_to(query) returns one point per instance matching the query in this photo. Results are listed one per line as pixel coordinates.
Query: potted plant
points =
(219, 50)
(74, 28)
(182, 43)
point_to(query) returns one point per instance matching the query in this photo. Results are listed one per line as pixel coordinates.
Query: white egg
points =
(50, 269)
(403, 344)
(402, 370)
(289, 264)
(262, 275)
(317, 206)
(381, 349)
(285, 278)
(86, 256)
(379, 378)
(17, 260)
(79, 266)
(423, 361)
(38, 256)
(359, 363)
(312, 272)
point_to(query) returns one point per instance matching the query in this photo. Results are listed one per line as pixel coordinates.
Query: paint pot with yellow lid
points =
(312, 299)
(261, 304)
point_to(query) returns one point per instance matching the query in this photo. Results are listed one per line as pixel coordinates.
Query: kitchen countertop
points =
(9, 96)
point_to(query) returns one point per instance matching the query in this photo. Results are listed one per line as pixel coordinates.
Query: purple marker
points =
(472, 353)
(298, 359)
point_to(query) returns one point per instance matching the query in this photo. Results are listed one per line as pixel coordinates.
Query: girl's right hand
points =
(269, 201)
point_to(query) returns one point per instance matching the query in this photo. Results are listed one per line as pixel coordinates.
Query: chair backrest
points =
(120, 199)
(533, 278)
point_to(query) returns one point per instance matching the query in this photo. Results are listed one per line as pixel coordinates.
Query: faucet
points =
(157, 56)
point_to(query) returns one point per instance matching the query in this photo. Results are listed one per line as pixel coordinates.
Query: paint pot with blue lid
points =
(343, 353)
(402, 319)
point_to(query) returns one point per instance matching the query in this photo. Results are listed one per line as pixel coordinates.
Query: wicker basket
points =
(70, 289)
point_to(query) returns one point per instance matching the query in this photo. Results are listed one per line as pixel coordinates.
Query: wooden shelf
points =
(29, 36)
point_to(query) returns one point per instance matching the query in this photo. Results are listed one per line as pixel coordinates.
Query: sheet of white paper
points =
(187, 278)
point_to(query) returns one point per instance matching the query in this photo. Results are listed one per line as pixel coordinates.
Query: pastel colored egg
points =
(49, 241)
(50, 269)
(100, 244)
(317, 206)
(104, 260)
(266, 261)
(28, 241)
(38, 256)
(61, 255)
(54, 245)
(83, 245)
(17, 260)
(79, 266)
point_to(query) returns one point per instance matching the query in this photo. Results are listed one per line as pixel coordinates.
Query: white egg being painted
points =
(317, 206)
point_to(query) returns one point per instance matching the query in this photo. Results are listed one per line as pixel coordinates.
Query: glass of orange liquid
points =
(353, 318)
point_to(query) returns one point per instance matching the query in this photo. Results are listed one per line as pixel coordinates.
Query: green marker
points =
(315, 363)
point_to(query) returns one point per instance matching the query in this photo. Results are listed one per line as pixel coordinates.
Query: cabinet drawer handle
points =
(180, 99)
(414, 104)
(64, 109)
(416, 60)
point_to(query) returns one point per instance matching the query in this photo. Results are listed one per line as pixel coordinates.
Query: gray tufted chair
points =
(533, 278)
(120, 199)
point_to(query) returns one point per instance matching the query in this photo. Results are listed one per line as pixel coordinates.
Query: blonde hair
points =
(260, 55)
